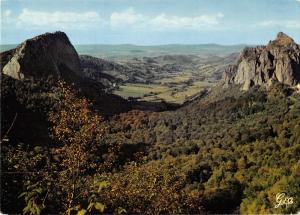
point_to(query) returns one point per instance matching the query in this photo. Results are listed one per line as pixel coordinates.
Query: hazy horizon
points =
(129, 50)
(144, 45)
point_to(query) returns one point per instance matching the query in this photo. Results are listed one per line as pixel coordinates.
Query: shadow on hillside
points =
(154, 106)
(111, 104)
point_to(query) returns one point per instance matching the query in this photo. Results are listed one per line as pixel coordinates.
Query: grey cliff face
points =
(50, 54)
(279, 61)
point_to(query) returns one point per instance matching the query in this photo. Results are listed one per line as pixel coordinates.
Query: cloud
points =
(127, 17)
(298, 1)
(117, 20)
(58, 19)
(163, 21)
(6, 17)
(7, 13)
(292, 24)
(130, 18)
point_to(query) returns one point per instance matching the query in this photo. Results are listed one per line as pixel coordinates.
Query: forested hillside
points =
(68, 145)
(226, 152)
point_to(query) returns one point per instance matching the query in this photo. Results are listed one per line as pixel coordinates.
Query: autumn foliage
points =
(229, 153)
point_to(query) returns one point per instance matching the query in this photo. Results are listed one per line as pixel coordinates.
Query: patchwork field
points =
(175, 89)
(173, 84)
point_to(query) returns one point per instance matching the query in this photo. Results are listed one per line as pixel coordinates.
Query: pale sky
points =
(151, 22)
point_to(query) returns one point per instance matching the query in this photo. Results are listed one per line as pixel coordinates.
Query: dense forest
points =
(227, 152)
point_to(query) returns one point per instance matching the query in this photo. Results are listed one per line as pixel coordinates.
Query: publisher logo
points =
(283, 200)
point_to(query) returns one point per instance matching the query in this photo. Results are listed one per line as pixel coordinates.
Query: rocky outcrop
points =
(279, 61)
(50, 54)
